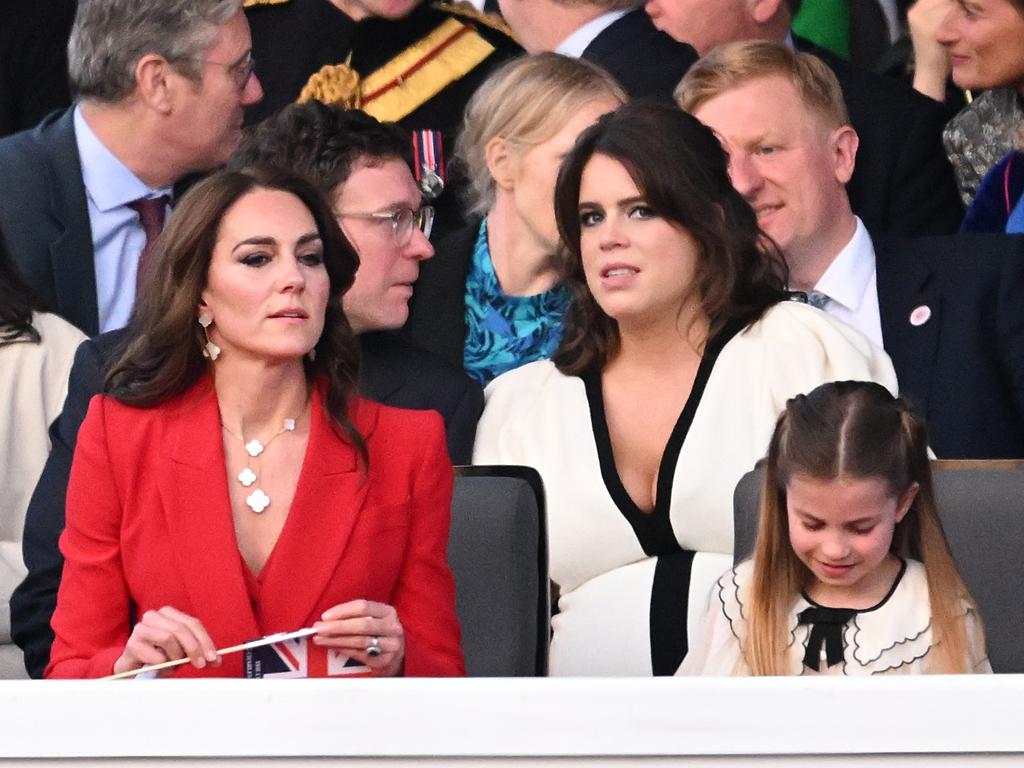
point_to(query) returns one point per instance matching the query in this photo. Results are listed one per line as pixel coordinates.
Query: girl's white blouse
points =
(893, 637)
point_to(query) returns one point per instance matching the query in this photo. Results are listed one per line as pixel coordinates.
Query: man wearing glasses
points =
(363, 167)
(161, 90)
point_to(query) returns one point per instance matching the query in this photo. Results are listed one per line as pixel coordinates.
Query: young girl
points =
(851, 572)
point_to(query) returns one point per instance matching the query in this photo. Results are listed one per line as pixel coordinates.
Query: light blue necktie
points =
(818, 299)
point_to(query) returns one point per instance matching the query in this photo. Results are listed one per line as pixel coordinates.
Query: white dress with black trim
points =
(630, 583)
(892, 637)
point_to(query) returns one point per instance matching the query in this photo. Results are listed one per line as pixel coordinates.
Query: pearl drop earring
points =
(210, 349)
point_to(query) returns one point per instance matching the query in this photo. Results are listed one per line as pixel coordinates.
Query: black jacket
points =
(44, 217)
(437, 312)
(964, 367)
(645, 60)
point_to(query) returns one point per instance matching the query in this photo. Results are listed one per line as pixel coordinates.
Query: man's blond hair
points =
(735, 64)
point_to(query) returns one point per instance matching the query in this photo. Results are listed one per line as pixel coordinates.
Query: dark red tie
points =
(151, 214)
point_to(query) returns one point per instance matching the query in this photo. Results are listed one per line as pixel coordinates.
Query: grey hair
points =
(110, 36)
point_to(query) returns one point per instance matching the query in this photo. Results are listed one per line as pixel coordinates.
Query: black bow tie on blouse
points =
(826, 629)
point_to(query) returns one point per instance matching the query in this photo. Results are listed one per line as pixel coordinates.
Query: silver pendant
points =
(289, 425)
(247, 477)
(254, 448)
(257, 501)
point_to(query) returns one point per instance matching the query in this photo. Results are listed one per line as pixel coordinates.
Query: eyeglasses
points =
(239, 71)
(403, 221)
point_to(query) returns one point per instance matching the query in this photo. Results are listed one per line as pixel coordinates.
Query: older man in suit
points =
(946, 309)
(161, 87)
(364, 167)
(903, 183)
(614, 34)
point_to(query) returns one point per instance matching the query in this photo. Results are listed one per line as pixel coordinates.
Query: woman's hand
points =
(931, 59)
(165, 635)
(353, 627)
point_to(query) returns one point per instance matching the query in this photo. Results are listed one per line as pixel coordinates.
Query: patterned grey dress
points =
(981, 135)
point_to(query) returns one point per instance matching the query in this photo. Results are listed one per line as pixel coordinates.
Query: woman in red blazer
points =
(230, 485)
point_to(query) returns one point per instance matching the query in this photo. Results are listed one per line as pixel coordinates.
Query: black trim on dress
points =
(671, 588)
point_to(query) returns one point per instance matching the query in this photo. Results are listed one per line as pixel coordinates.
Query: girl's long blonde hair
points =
(857, 430)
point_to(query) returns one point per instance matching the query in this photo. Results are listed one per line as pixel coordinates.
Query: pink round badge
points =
(920, 315)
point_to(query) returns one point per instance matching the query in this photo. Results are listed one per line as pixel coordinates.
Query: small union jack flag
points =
(300, 658)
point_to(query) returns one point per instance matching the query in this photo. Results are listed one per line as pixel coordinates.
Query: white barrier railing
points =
(980, 716)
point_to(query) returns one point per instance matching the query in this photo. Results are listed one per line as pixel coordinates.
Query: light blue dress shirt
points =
(117, 234)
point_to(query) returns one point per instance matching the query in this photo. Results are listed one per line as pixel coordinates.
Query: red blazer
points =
(149, 524)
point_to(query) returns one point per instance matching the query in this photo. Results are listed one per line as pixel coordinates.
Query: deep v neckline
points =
(653, 529)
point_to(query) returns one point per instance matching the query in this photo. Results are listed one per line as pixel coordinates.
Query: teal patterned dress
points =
(504, 332)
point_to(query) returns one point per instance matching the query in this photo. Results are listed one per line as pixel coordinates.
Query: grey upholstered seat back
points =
(498, 553)
(982, 508)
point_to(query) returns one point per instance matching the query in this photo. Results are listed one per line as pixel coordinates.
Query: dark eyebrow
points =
(255, 241)
(619, 203)
(307, 238)
(631, 200)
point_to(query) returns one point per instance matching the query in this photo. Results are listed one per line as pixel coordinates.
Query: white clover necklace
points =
(258, 500)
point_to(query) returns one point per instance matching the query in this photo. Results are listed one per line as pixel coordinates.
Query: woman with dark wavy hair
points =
(678, 354)
(231, 485)
(36, 350)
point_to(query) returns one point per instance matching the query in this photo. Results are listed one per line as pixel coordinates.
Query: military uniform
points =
(418, 71)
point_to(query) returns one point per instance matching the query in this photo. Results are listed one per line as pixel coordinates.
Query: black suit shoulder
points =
(972, 263)
(396, 373)
(645, 60)
(903, 183)
(23, 152)
(42, 206)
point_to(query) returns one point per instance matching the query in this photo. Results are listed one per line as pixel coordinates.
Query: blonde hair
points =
(850, 429)
(734, 64)
(525, 102)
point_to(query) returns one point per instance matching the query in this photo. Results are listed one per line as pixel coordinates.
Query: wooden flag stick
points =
(268, 640)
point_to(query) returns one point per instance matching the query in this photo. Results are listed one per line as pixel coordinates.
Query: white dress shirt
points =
(117, 234)
(851, 285)
(576, 43)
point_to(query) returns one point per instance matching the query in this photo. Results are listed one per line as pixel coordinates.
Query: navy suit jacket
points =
(392, 372)
(644, 60)
(44, 217)
(964, 367)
